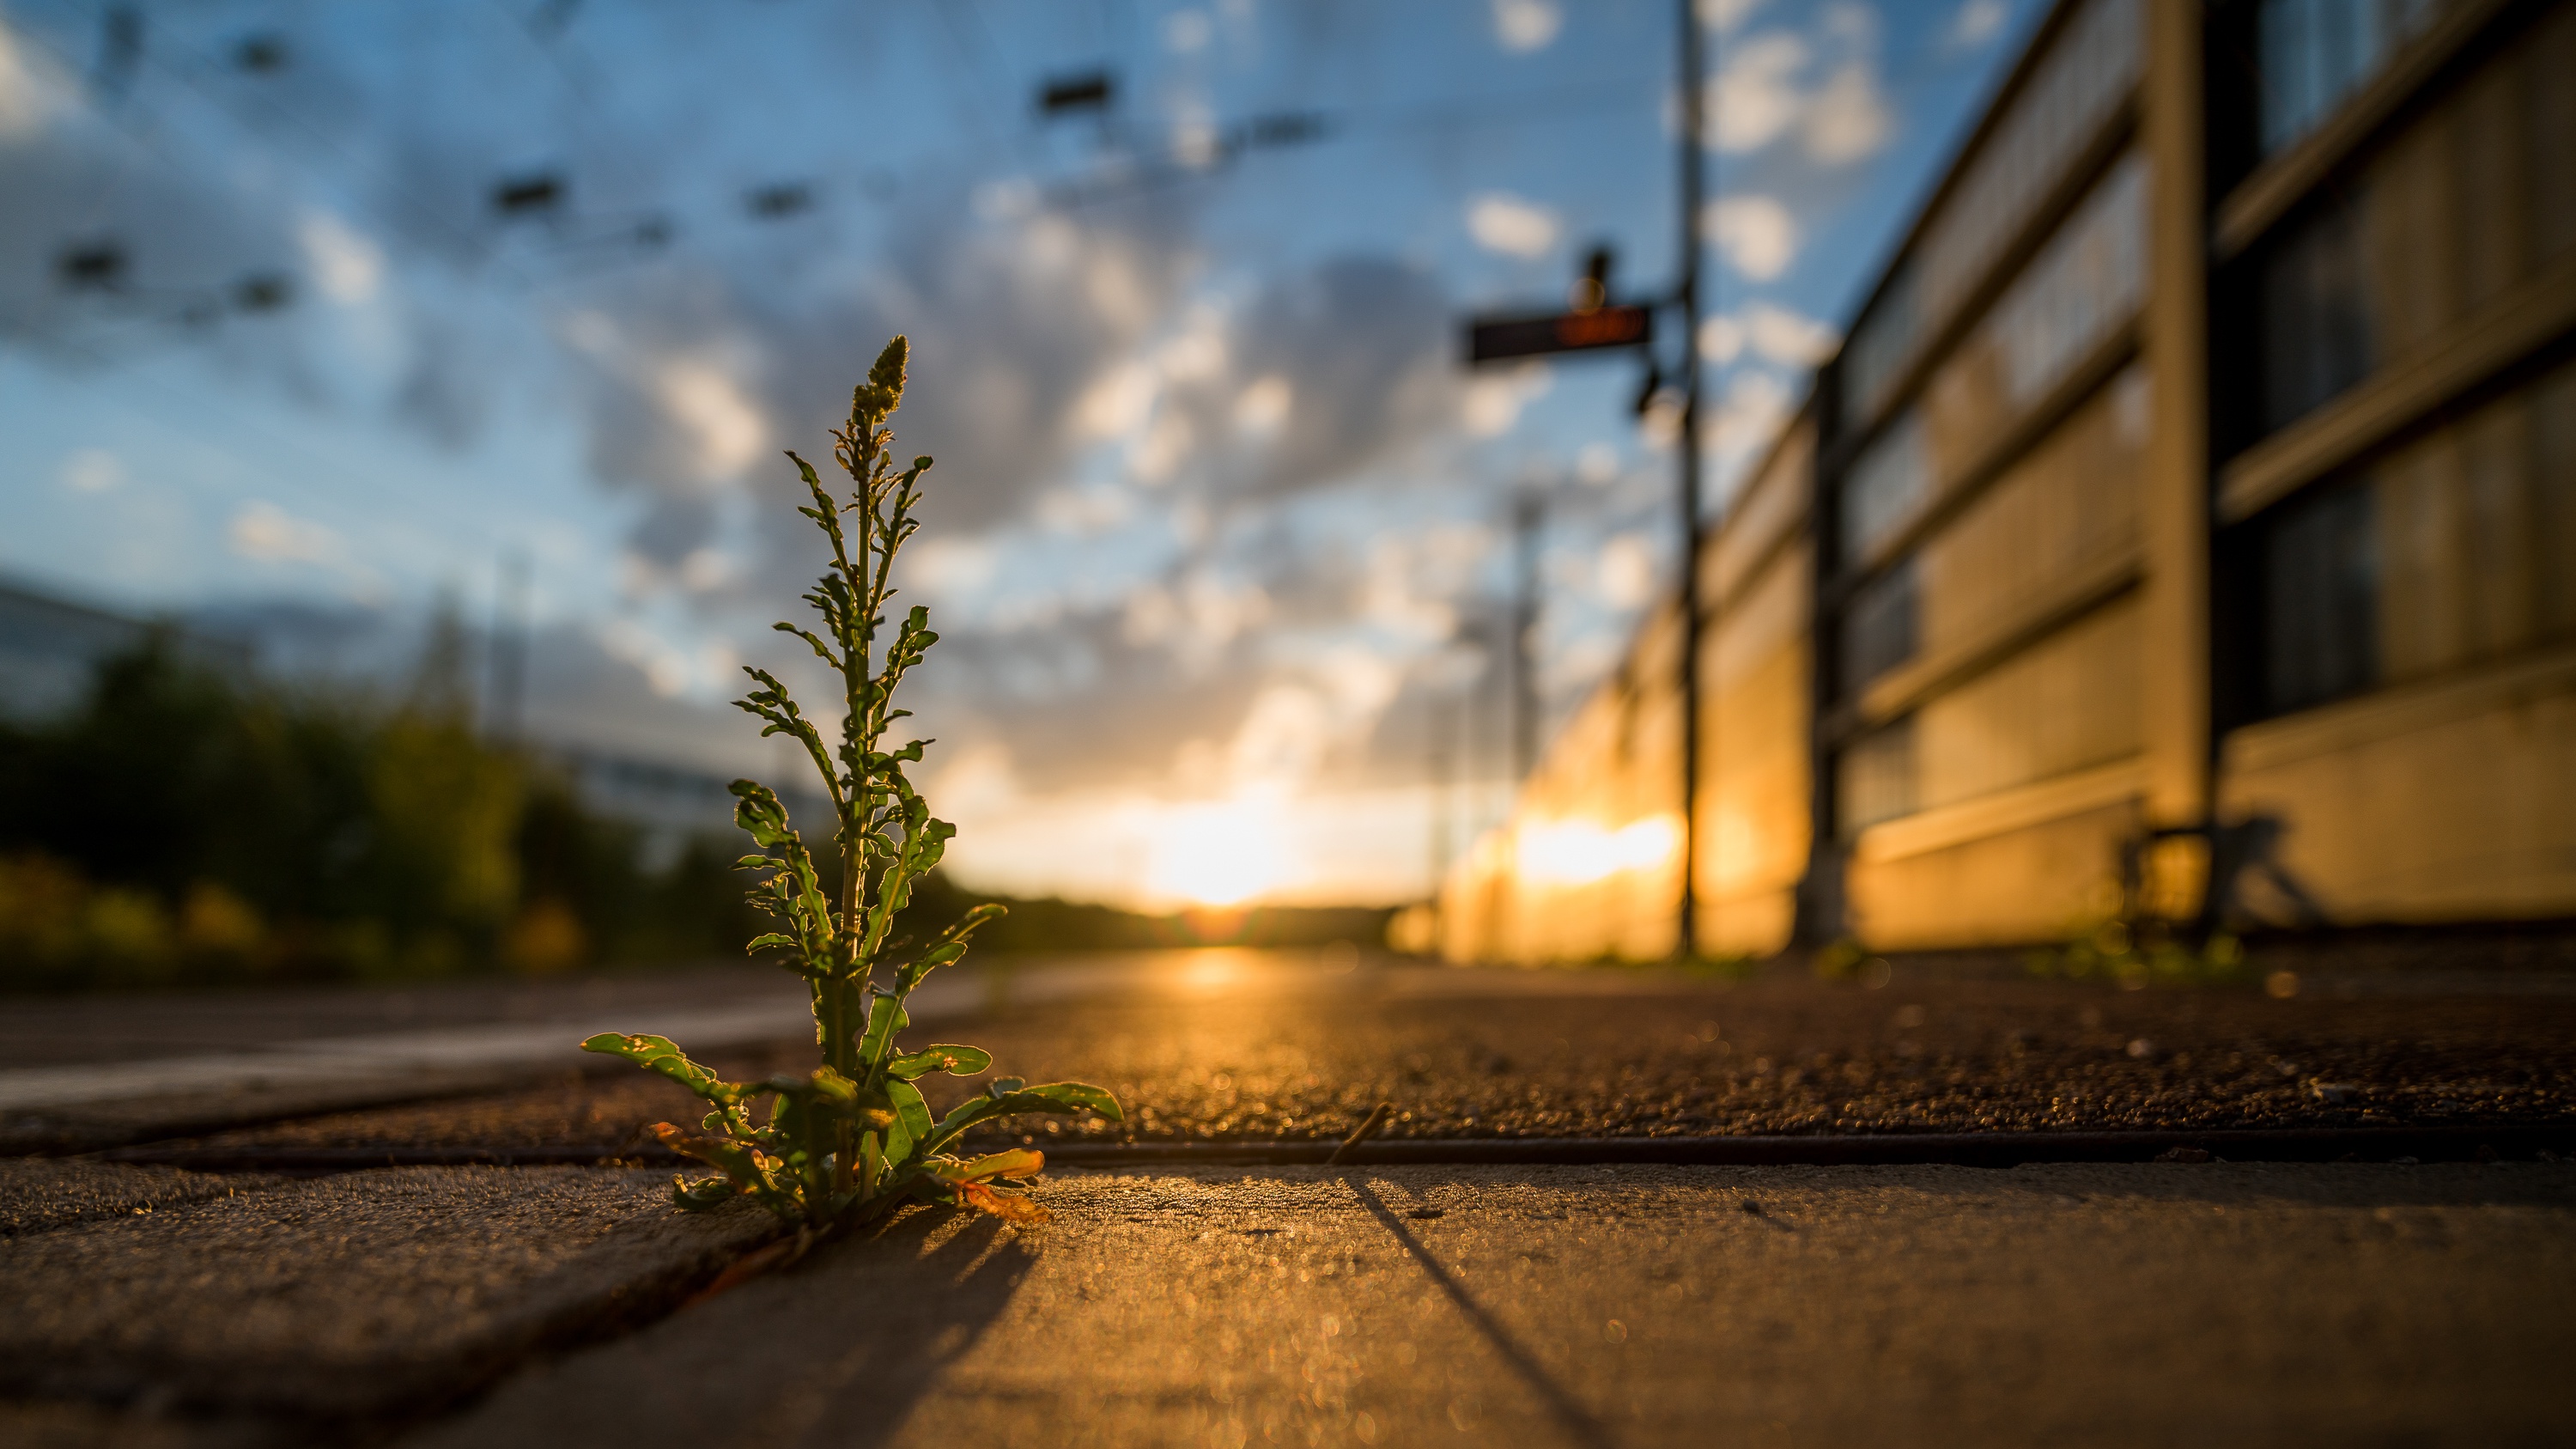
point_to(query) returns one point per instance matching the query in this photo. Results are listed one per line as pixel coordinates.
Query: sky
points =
(1218, 539)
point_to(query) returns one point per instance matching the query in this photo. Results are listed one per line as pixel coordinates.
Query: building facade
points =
(2191, 511)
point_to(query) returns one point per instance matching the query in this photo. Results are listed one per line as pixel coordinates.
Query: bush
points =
(181, 828)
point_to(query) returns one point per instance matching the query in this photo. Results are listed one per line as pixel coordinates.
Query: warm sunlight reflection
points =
(1209, 972)
(1220, 854)
(1577, 852)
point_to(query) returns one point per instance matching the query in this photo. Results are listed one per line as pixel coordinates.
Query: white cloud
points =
(266, 533)
(1755, 97)
(92, 470)
(1187, 30)
(1978, 22)
(1525, 25)
(1007, 199)
(723, 422)
(29, 96)
(1756, 234)
(672, 668)
(1625, 573)
(1792, 338)
(951, 569)
(1263, 406)
(1747, 415)
(704, 570)
(1597, 465)
(346, 266)
(1721, 338)
(1117, 403)
(1502, 222)
(1493, 400)
(1724, 17)
(1775, 333)
(1848, 120)
(1766, 90)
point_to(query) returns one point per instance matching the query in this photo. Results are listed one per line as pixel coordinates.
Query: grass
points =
(853, 1138)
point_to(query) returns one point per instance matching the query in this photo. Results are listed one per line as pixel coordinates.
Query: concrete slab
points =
(40, 1194)
(2151, 1305)
(349, 1297)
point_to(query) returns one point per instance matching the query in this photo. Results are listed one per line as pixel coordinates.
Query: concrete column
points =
(2175, 510)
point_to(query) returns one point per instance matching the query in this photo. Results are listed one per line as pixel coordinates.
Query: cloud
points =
(1187, 31)
(1847, 120)
(1754, 98)
(1502, 222)
(32, 93)
(1977, 22)
(1790, 338)
(1494, 400)
(1526, 25)
(1756, 234)
(346, 267)
(1725, 17)
(1747, 416)
(266, 533)
(1825, 93)
(1625, 572)
(92, 470)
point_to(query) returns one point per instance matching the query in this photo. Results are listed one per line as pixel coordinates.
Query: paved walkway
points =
(2149, 1304)
(2160, 1305)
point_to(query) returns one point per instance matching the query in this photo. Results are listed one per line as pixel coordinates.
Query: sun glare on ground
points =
(1220, 854)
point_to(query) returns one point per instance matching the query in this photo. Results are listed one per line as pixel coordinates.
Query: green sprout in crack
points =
(854, 1138)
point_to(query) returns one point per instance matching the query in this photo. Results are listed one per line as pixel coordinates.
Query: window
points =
(1886, 487)
(2078, 292)
(2321, 600)
(1880, 632)
(1877, 778)
(2316, 52)
(2089, 72)
(2316, 315)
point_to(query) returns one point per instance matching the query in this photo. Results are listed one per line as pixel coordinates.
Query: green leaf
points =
(1061, 1097)
(657, 1054)
(885, 1018)
(910, 1108)
(958, 1061)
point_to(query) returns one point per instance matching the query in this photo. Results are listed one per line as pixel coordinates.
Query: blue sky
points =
(1218, 521)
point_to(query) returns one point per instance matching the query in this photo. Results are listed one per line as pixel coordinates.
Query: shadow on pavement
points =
(1570, 1415)
(892, 1313)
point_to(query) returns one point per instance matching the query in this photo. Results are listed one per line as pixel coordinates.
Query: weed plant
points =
(853, 1138)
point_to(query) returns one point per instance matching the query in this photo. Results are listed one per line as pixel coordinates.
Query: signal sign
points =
(1598, 328)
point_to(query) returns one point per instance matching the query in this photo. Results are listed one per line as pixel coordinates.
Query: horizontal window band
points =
(2055, 205)
(2064, 601)
(2261, 200)
(2490, 340)
(2033, 428)
(2397, 710)
(2001, 812)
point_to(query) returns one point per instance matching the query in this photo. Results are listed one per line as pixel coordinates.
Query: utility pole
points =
(510, 650)
(1686, 941)
(1528, 511)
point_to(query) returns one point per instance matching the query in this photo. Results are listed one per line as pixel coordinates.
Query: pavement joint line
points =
(1970, 1149)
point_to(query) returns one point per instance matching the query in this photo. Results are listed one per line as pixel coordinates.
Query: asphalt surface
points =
(1235, 1051)
(2234, 1302)
(2146, 1305)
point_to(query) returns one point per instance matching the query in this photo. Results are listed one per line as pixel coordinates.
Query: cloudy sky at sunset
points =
(1218, 520)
